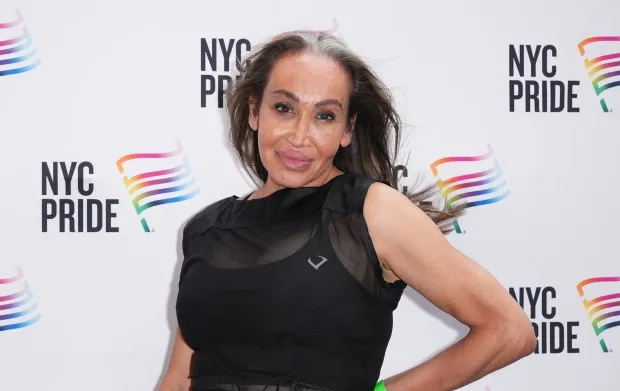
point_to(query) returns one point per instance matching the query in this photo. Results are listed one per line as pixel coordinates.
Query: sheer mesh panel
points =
(345, 234)
(319, 326)
(248, 247)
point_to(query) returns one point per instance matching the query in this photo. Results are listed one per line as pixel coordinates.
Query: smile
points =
(293, 160)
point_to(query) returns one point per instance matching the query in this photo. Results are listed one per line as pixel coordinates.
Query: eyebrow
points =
(294, 97)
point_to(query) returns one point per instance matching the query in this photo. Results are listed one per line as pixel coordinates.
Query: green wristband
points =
(380, 386)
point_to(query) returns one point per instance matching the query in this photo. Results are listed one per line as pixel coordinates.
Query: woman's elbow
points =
(521, 338)
(530, 341)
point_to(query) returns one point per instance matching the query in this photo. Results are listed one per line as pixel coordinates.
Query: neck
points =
(270, 186)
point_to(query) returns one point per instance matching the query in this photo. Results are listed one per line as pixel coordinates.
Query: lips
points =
(293, 160)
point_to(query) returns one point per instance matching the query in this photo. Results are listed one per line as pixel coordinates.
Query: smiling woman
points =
(301, 130)
(293, 287)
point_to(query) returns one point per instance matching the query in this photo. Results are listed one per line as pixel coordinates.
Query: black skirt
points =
(242, 382)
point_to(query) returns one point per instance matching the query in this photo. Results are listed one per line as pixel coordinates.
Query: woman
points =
(293, 287)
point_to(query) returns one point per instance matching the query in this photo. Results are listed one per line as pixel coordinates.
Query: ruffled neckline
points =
(286, 190)
(285, 205)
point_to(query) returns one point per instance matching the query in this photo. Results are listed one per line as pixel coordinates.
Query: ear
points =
(253, 115)
(348, 133)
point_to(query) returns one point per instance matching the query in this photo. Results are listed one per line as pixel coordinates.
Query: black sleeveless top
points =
(287, 285)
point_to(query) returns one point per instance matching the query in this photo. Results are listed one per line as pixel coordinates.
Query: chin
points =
(288, 178)
(285, 177)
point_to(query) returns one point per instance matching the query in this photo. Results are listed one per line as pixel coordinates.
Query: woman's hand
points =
(412, 248)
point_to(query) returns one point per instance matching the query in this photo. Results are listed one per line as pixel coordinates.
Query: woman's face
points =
(302, 120)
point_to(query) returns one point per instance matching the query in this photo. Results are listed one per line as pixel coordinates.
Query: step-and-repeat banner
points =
(113, 133)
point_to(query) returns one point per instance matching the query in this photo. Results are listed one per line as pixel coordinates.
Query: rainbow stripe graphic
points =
(604, 70)
(603, 311)
(17, 53)
(168, 179)
(473, 180)
(17, 306)
(332, 30)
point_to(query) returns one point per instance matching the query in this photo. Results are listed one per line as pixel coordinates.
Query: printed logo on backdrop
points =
(218, 56)
(470, 180)
(333, 30)
(17, 51)
(153, 179)
(601, 300)
(555, 335)
(534, 82)
(536, 87)
(401, 172)
(68, 201)
(602, 60)
(18, 308)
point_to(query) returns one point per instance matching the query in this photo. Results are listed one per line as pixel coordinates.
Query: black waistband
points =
(250, 382)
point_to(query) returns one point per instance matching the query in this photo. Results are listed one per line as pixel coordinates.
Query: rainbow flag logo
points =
(472, 180)
(157, 179)
(17, 306)
(333, 30)
(17, 53)
(603, 64)
(602, 304)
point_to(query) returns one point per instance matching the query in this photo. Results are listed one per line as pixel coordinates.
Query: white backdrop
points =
(92, 82)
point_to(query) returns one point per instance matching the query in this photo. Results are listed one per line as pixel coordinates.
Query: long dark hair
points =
(377, 131)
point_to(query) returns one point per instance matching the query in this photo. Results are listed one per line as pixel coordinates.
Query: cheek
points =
(271, 132)
(326, 140)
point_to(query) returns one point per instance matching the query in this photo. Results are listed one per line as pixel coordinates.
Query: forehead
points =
(310, 76)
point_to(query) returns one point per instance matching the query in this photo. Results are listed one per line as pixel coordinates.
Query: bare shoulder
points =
(385, 207)
(401, 232)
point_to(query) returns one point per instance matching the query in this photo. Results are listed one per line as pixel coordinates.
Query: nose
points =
(299, 133)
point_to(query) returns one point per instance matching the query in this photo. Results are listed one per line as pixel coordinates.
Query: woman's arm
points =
(412, 248)
(177, 375)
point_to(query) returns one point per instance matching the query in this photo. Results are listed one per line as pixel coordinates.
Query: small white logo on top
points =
(317, 265)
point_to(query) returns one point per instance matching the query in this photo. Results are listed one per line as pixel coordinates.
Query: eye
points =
(283, 107)
(326, 116)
